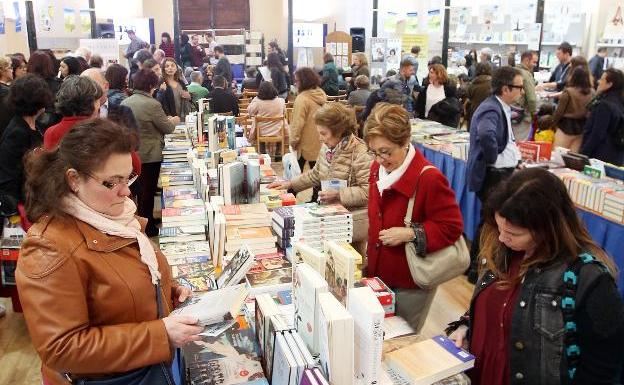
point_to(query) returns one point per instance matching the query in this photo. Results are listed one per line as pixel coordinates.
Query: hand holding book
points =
(182, 329)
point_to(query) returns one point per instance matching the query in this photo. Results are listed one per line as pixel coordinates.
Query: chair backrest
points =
(269, 119)
(336, 98)
(249, 94)
(289, 113)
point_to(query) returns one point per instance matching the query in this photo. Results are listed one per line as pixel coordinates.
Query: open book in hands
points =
(214, 306)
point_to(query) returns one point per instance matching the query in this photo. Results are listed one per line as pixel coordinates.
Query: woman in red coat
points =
(395, 177)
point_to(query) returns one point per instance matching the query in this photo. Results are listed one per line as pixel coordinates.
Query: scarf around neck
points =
(386, 180)
(125, 226)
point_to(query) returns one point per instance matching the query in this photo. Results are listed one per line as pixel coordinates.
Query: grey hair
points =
(77, 95)
(195, 76)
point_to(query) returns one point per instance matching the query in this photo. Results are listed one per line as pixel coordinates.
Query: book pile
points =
(315, 224)
(383, 293)
(272, 274)
(283, 224)
(603, 196)
(183, 214)
(191, 264)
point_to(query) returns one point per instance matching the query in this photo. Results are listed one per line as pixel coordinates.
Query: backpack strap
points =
(569, 298)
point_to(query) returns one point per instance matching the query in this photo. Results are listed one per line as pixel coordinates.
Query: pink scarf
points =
(125, 226)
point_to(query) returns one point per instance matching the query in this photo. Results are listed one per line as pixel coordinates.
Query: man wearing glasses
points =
(493, 154)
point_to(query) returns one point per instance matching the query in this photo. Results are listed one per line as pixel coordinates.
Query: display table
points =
(608, 234)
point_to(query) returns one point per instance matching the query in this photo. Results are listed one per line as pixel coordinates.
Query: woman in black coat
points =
(604, 130)
(28, 97)
(438, 99)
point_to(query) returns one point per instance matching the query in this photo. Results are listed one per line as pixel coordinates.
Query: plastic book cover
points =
(199, 282)
(270, 277)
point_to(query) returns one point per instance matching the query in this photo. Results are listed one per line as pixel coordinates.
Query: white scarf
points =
(125, 226)
(387, 180)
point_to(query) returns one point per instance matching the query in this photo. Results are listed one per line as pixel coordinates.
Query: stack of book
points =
(260, 240)
(604, 196)
(283, 224)
(191, 264)
(315, 224)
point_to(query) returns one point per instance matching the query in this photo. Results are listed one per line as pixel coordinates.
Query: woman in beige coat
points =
(303, 137)
(342, 156)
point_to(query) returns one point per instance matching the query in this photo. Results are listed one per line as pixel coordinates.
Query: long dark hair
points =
(616, 78)
(537, 200)
(84, 148)
(580, 78)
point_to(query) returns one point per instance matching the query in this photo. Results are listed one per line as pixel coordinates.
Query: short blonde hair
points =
(362, 58)
(361, 81)
(5, 64)
(338, 118)
(390, 121)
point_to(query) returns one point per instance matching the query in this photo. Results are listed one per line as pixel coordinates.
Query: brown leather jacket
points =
(89, 302)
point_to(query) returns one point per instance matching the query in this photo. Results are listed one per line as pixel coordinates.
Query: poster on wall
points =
(85, 21)
(18, 17)
(390, 23)
(422, 41)
(69, 20)
(411, 23)
(393, 54)
(46, 18)
(2, 19)
(521, 13)
(434, 20)
(614, 27)
(491, 14)
(378, 50)
(108, 49)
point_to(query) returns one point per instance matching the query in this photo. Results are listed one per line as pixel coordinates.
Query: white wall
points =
(11, 41)
(162, 13)
(271, 18)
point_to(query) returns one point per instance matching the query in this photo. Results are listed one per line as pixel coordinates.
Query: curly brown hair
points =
(308, 79)
(338, 118)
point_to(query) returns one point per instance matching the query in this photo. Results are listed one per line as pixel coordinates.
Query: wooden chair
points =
(289, 114)
(336, 98)
(250, 94)
(269, 139)
(245, 122)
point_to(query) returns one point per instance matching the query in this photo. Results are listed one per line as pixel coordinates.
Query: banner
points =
(434, 20)
(18, 17)
(411, 23)
(69, 18)
(390, 23)
(85, 21)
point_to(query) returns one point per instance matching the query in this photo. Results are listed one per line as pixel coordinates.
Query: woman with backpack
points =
(603, 135)
(546, 309)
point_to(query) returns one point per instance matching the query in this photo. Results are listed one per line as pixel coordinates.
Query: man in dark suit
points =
(596, 64)
(221, 99)
(493, 154)
(223, 66)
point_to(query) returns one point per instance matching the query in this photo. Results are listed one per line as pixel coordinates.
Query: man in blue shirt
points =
(560, 74)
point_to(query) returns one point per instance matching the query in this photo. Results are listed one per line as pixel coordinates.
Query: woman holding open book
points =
(546, 309)
(399, 173)
(96, 292)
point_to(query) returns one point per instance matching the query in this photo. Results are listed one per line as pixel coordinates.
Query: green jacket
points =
(529, 101)
(197, 91)
(153, 125)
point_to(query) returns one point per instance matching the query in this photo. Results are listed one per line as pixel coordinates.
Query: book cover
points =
(265, 307)
(173, 261)
(199, 282)
(214, 306)
(308, 284)
(238, 371)
(269, 278)
(303, 349)
(308, 377)
(236, 269)
(250, 235)
(242, 212)
(237, 339)
(339, 270)
(313, 257)
(284, 363)
(368, 317)
(275, 263)
(218, 241)
(185, 249)
(300, 361)
(438, 358)
(336, 341)
(253, 181)
(233, 187)
(192, 269)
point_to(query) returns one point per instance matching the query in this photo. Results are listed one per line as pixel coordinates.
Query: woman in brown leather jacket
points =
(90, 281)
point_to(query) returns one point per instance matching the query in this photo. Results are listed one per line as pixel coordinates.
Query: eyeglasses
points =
(515, 86)
(116, 181)
(383, 153)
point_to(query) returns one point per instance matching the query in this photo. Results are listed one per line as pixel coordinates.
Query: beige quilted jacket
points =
(350, 162)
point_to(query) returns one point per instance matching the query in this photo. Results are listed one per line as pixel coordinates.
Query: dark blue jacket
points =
(606, 112)
(488, 137)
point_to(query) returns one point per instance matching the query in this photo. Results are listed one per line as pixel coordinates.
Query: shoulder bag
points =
(156, 374)
(440, 266)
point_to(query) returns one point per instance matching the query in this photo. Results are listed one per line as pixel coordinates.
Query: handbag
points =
(157, 374)
(440, 266)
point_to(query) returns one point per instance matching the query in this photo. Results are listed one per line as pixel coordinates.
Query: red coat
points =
(54, 134)
(435, 207)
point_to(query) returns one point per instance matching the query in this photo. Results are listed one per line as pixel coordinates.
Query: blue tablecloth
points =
(608, 234)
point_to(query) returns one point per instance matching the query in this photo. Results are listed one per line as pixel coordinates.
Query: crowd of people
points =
(81, 152)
